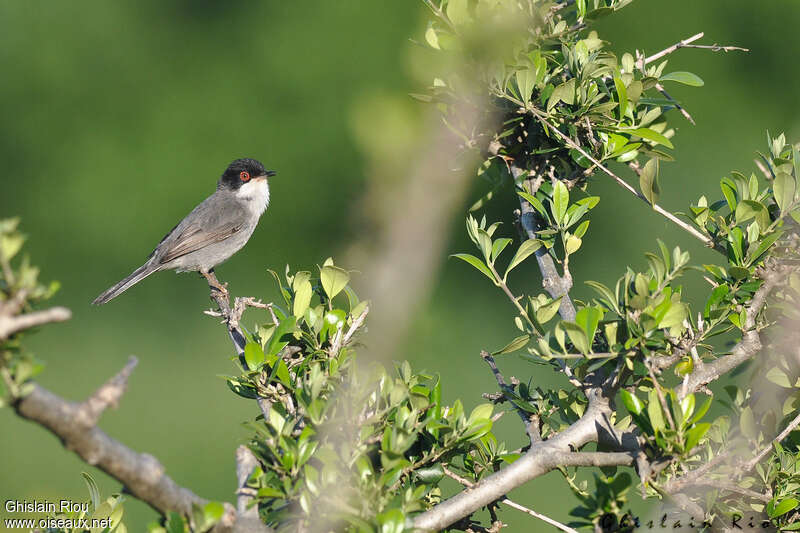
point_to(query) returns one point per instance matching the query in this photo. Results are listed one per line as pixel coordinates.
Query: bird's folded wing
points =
(193, 238)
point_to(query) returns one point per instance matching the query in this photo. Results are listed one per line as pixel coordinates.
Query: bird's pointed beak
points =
(270, 173)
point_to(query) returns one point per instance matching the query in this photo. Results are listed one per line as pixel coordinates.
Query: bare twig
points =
(10, 324)
(674, 47)
(108, 395)
(660, 88)
(767, 449)
(622, 183)
(532, 429)
(507, 501)
(677, 484)
(686, 43)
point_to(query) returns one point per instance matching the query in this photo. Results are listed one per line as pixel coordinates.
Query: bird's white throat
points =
(255, 195)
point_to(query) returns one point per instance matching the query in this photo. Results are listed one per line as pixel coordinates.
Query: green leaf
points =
(748, 209)
(622, 95)
(701, 411)
(253, 355)
(560, 202)
(525, 249)
(651, 135)
(782, 508)
(516, 344)
(588, 318)
(282, 372)
(687, 407)
(686, 78)
(547, 311)
(431, 38)
(778, 377)
(729, 192)
(674, 316)
(754, 254)
(334, 280)
(580, 231)
(747, 423)
(458, 12)
(654, 411)
(562, 93)
(10, 244)
(477, 263)
(278, 341)
(577, 335)
(609, 297)
(694, 435)
(526, 80)
(783, 188)
(573, 244)
(648, 181)
(536, 203)
(631, 402)
(302, 293)
(94, 492)
(498, 246)
(430, 475)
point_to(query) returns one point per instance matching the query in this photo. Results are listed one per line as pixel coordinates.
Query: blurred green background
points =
(118, 117)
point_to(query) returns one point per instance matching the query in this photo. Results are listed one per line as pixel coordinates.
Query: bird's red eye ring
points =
(244, 176)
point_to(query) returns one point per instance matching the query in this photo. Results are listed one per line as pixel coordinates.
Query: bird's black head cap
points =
(242, 171)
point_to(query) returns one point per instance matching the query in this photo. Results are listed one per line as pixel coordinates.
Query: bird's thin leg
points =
(213, 282)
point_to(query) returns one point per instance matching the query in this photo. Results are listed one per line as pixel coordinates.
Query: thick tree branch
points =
(748, 347)
(75, 425)
(555, 285)
(248, 519)
(540, 459)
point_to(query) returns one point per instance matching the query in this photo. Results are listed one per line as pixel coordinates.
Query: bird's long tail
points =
(136, 276)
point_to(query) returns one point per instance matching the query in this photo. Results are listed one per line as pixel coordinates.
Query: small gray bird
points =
(215, 230)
